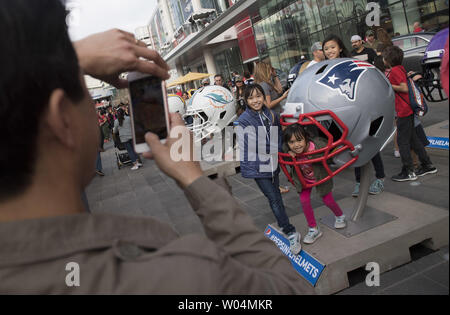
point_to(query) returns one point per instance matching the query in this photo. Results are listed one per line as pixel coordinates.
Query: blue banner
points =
(306, 265)
(438, 143)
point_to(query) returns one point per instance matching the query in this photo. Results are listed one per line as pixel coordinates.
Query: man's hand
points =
(184, 172)
(106, 55)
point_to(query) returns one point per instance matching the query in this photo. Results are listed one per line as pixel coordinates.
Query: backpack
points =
(416, 98)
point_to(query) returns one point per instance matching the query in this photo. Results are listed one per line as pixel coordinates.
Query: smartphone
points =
(149, 109)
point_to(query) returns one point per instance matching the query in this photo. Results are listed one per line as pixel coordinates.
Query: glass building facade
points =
(227, 61)
(285, 29)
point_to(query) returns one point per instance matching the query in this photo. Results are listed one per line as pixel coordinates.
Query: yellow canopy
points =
(191, 76)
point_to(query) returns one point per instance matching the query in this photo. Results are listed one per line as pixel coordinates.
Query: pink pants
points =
(328, 200)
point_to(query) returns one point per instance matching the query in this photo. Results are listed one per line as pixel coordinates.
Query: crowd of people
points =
(265, 89)
(263, 109)
(115, 123)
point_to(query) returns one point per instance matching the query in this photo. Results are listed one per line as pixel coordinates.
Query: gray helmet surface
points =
(358, 93)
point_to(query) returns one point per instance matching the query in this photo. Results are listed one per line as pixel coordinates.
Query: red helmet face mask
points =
(326, 153)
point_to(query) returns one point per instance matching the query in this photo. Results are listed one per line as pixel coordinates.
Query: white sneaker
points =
(340, 222)
(312, 236)
(397, 154)
(138, 164)
(135, 167)
(294, 241)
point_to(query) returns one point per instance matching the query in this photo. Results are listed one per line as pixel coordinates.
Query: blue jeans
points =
(377, 165)
(99, 162)
(271, 189)
(130, 149)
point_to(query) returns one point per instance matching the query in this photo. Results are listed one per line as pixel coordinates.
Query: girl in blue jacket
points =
(259, 132)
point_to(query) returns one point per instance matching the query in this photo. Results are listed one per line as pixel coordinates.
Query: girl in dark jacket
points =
(259, 132)
(296, 143)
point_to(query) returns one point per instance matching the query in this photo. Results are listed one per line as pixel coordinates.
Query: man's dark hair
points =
(393, 55)
(344, 53)
(36, 58)
(218, 75)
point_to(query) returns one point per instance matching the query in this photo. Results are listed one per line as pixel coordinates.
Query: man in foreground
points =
(51, 133)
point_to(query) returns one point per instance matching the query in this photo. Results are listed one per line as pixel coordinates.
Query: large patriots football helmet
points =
(176, 104)
(348, 102)
(212, 108)
(430, 84)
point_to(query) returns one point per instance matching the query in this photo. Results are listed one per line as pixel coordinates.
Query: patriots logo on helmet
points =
(344, 77)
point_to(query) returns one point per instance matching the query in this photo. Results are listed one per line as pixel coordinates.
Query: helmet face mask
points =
(212, 109)
(320, 122)
(349, 103)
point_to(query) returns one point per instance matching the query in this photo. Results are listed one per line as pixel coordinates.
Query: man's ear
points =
(59, 118)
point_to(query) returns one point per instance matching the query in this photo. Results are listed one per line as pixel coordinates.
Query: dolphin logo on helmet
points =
(218, 98)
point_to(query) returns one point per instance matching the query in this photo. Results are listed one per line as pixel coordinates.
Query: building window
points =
(312, 16)
(327, 13)
(423, 12)
(227, 61)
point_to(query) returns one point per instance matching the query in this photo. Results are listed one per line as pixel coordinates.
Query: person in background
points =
(417, 28)
(267, 78)
(54, 142)
(122, 125)
(218, 80)
(406, 135)
(179, 91)
(205, 82)
(239, 95)
(360, 52)
(105, 125)
(371, 42)
(98, 165)
(318, 55)
(383, 37)
(444, 69)
(185, 96)
(333, 48)
(233, 79)
(100, 121)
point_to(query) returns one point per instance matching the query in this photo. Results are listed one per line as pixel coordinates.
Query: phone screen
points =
(147, 100)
